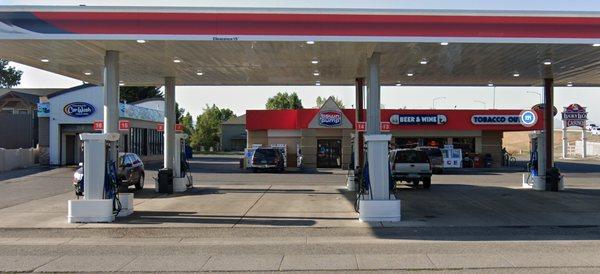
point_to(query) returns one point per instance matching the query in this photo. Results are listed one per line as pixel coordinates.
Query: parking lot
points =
(225, 196)
(241, 221)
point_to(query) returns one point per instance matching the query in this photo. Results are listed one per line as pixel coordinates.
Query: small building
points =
(68, 113)
(18, 117)
(18, 120)
(233, 134)
(323, 136)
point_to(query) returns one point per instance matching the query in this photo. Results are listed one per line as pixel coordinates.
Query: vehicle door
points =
(136, 169)
(128, 168)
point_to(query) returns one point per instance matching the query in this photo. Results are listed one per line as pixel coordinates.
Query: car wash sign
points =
(418, 119)
(330, 116)
(79, 109)
(574, 116)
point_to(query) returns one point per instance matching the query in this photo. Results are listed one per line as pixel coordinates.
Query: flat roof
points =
(267, 46)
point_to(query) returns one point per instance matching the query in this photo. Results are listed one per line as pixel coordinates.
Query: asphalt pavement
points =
(239, 221)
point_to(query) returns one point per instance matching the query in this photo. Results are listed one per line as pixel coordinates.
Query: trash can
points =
(165, 180)
(552, 179)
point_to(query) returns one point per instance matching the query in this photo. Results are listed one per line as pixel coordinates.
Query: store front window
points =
(407, 142)
(434, 142)
(467, 144)
(145, 142)
(329, 153)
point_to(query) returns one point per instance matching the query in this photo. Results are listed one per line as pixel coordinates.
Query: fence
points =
(17, 131)
(593, 149)
(16, 158)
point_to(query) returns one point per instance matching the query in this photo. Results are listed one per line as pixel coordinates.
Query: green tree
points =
(284, 101)
(179, 113)
(208, 126)
(9, 76)
(321, 100)
(188, 122)
(134, 94)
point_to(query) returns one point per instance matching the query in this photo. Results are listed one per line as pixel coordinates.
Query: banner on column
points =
(361, 126)
(178, 128)
(124, 125)
(98, 125)
(385, 127)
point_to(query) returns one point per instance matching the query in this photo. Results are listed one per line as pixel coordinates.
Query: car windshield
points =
(411, 156)
(268, 154)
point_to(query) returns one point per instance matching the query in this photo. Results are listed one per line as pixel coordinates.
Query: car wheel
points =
(415, 183)
(140, 184)
(254, 170)
(427, 183)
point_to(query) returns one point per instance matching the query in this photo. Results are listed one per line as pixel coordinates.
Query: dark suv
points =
(267, 159)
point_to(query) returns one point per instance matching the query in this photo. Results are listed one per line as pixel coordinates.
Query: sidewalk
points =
(296, 253)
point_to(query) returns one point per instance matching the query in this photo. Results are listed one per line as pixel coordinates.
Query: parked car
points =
(411, 166)
(594, 129)
(435, 157)
(268, 159)
(130, 171)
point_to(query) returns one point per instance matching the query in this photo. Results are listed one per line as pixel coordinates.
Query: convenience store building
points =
(324, 136)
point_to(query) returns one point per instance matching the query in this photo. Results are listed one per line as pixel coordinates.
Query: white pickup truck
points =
(594, 129)
(411, 166)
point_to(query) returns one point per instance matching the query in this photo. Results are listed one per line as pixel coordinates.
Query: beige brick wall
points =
(491, 142)
(308, 144)
(346, 147)
(257, 137)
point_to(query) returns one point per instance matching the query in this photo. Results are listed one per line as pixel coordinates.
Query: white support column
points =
(111, 98)
(379, 205)
(373, 96)
(169, 134)
(95, 207)
(584, 141)
(565, 142)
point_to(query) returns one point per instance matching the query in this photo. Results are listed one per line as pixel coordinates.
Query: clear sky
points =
(194, 99)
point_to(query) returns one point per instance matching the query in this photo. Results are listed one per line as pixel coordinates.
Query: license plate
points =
(263, 162)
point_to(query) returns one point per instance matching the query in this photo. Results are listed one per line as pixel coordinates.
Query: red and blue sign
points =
(574, 116)
(79, 109)
(330, 119)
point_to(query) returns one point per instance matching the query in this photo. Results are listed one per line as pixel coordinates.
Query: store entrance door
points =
(70, 149)
(329, 153)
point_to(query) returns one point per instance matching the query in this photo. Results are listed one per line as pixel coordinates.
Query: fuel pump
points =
(535, 167)
(182, 178)
(351, 179)
(100, 188)
(537, 176)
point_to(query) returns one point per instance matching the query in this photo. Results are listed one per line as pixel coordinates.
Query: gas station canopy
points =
(245, 46)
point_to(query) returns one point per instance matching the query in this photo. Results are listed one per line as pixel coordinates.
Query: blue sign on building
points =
(418, 119)
(79, 109)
